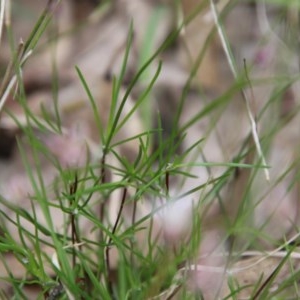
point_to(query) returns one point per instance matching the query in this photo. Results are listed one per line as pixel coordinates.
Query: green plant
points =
(104, 228)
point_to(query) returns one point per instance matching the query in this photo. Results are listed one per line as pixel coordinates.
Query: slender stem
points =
(102, 180)
(133, 217)
(167, 182)
(74, 234)
(2, 10)
(109, 283)
(233, 68)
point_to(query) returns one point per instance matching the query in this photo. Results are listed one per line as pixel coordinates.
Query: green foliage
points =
(81, 266)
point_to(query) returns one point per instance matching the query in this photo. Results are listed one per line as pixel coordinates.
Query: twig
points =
(234, 71)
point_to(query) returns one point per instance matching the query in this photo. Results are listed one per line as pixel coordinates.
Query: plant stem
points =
(107, 258)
